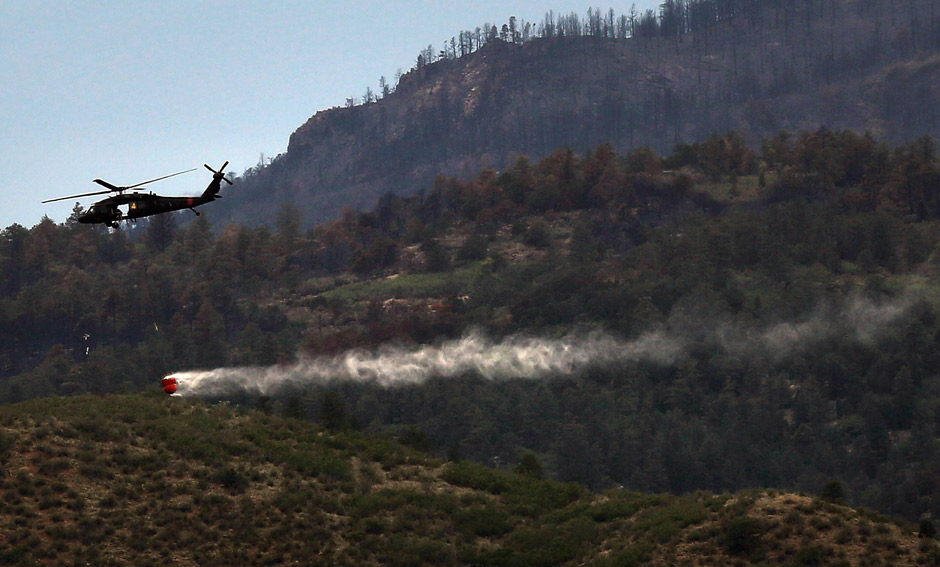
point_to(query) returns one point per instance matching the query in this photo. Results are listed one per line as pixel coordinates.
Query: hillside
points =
(768, 66)
(145, 480)
(714, 319)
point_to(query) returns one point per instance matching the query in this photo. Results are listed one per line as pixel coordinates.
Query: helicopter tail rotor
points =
(212, 191)
(220, 173)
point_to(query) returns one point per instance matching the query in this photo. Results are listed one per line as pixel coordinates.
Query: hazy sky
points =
(129, 91)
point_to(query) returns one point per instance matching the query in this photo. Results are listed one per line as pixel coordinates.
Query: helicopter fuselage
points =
(138, 205)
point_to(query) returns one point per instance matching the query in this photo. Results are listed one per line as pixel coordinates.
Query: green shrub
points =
(538, 235)
(471, 475)
(484, 521)
(365, 505)
(231, 479)
(475, 247)
(49, 501)
(526, 496)
(662, 523)
(310, 463)
(374, 526)
(812, 555)
(621, 505)
(551, 545)
(633, 556)
(415, 438)
(6, 447)
(742, 537)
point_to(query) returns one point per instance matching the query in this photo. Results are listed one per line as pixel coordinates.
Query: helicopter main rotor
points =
(114, 188)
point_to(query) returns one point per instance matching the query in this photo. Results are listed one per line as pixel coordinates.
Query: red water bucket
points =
(169, 385)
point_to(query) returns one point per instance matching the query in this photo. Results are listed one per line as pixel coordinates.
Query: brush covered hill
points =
(754, 67)
(147, 480)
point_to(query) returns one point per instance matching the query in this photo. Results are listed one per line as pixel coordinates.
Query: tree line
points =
(698, 21)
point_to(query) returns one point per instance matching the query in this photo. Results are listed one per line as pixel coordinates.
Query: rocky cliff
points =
(866, 66)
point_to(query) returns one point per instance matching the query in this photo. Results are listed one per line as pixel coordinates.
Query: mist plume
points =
(527, 357)
(856, 318)
(516, 357)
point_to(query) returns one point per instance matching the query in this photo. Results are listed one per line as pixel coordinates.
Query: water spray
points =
(522, 357)
(515, 357)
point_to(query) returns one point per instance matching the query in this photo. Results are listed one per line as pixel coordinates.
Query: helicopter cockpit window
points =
(105, 210)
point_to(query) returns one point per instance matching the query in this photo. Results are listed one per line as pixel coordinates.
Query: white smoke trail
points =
(514, 357)
(520, 357)
(858, 318)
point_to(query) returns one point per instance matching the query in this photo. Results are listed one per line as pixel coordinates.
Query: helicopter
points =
(144, 204)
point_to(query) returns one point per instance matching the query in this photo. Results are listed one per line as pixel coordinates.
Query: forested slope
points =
(795, 285)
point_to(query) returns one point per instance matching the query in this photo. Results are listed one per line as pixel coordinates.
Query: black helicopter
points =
(144, 204)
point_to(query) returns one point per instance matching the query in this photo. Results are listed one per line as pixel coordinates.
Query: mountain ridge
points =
(841, 65)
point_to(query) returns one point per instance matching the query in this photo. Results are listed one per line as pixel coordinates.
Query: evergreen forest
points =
(799, 276)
